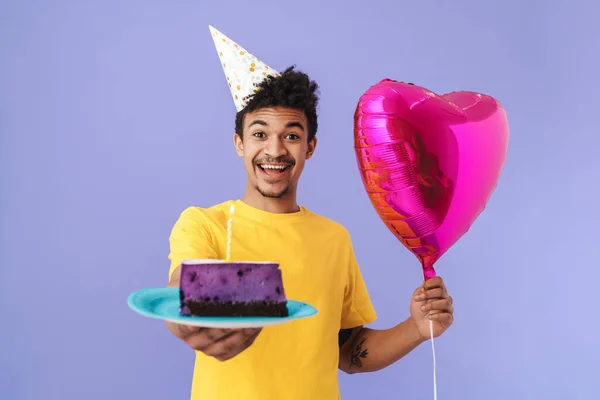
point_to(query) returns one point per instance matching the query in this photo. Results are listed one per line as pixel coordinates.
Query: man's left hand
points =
(431, 301)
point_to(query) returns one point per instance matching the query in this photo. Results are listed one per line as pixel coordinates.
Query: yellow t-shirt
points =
(296, 360)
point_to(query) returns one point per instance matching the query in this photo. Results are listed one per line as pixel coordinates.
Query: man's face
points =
(274, 147)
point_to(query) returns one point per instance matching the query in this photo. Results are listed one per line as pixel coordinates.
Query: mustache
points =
(278, 160)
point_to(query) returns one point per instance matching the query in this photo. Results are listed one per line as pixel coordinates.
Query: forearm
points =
(373, 350)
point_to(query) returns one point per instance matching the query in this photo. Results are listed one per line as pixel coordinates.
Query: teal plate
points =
(163, 303)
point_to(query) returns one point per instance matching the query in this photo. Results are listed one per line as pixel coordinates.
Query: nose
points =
(275, 147)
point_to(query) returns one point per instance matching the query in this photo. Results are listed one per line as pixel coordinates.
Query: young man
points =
(275, 133)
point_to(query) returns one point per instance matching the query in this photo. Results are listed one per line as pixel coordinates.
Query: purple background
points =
(115, 116)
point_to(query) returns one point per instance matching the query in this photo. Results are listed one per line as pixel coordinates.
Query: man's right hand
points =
(222, 344)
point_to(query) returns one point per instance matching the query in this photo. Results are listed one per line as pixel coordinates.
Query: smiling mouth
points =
(273, 169)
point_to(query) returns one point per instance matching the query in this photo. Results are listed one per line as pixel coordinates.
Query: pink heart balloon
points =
(429, 163)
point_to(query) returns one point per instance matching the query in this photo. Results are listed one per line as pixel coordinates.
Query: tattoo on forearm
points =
(358, 354)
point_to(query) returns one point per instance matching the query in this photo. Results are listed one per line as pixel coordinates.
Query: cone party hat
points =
(242, 69)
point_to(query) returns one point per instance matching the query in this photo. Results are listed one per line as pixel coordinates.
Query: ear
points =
(312, 145)
(239, 144)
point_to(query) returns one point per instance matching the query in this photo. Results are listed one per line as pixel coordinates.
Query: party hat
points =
(243, 70)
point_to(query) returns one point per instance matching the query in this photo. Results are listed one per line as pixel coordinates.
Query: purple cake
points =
(232, 289)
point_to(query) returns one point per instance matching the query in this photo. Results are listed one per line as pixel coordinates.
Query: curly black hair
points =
(291, 89)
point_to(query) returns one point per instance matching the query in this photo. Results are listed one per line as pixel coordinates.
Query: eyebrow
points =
(288, 125)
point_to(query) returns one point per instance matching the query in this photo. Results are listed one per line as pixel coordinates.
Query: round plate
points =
(163, 303)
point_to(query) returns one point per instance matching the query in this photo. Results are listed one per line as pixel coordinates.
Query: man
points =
(275, 130)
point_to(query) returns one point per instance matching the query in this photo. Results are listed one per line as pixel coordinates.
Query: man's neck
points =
(283, 205)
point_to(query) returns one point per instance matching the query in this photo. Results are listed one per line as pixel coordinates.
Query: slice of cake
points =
(232, 289)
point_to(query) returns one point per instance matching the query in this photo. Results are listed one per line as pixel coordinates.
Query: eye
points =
(292, 136)
(258, 134)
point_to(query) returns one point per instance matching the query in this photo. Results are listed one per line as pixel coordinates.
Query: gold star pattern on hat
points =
(242, 69)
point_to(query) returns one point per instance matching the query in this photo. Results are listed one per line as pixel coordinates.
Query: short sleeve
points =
(190, 238)
(357, 309)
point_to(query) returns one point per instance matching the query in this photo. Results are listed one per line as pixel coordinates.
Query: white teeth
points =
(273, 166)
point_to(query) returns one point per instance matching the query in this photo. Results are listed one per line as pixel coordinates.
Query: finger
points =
(435, 282)
(437, 293)
(438, 305)
(231, 344)
(442, 318)
(181, 331)
(211, 334)
(240, 349)
(188, 330)
(227, 342)
(418, 290)
(206, 337)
